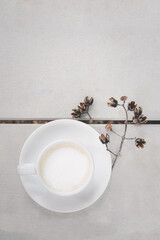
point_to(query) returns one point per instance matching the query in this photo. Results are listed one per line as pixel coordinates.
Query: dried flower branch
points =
(137, 118)
(83, 108)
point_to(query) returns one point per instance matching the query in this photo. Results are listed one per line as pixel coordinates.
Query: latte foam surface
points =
(65, 167)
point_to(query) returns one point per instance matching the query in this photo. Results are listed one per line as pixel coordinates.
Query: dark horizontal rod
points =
(93, 121)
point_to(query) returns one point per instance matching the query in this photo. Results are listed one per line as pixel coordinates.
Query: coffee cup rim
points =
(61, 193)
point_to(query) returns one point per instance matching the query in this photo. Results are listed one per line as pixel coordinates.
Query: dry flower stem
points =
(105, 144)
(124, 134)
(89, 115)
(83, 108)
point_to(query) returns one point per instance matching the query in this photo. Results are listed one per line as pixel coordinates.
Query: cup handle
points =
(26, 169)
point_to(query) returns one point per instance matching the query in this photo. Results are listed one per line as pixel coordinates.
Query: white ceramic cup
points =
(34, 168)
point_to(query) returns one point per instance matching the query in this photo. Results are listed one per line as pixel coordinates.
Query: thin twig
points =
(110, 151)
(116, 133)
(130, 138)
(90, 118)
(89, 115)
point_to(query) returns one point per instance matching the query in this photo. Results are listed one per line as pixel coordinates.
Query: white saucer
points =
(69, 130)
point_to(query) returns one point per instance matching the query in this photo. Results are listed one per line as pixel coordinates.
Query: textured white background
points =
(129, 208)
(55, 52)
(52, 54)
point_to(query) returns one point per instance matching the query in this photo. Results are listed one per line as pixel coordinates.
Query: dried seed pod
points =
(138, 116)
(113, 102)
(76, 113)
(82, 107)
(140, 142)
(88, 101)
(91, 100)
(108, 127)
(132, 106)
(104, 139)
(123, 98)
(142, 119)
